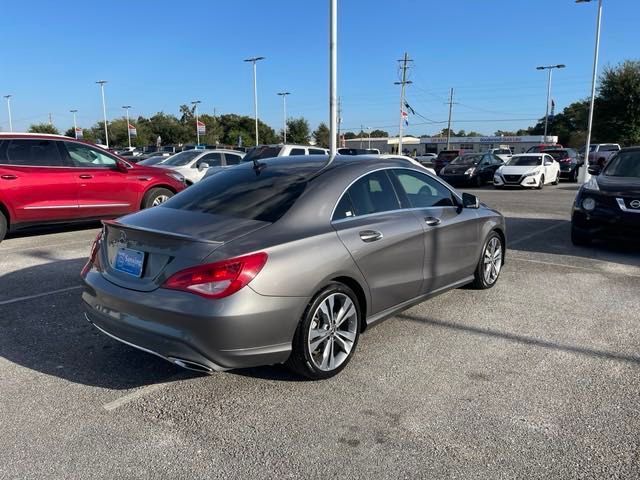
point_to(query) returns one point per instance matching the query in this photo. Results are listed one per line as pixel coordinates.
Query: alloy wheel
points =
(492, 260)
(332, 332)
(160, 199)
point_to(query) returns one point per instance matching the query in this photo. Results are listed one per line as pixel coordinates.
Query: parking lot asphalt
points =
(538, 377)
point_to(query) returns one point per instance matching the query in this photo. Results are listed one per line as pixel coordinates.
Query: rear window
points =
(448, 155)
(241, 193)
(258, 153)
(558, 154)
(31, 152)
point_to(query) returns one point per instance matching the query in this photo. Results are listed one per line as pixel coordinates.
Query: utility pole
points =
(215, 125)
(284, 108)
(8, 97)
(104, 112)
(403, 83)
(451, 104)
(254, 60)
(127, 107)
(50, 120)
(546, 114)
(75, 125)
(361, 134)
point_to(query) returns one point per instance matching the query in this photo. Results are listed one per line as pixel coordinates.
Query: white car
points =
(193, 164)
(531, 170)
(412, 160)
(504, 153)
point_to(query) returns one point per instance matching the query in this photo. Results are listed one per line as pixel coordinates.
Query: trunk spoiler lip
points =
(180, 236)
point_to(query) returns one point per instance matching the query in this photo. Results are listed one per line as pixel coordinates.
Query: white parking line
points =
(575, 267)
(38, 295)
(130, 397)
(531, 235)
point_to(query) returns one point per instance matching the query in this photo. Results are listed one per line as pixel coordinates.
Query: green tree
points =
(298, 131)
(43, 128)
(349, 135)
(379, 133)
(322, 135)
(617, 110)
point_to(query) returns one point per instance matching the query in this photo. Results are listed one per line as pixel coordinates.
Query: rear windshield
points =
(240, 192)
(447, 155)
(624, 164)
(558, 154)
(258, 153)
(523, 161)
(182, 158)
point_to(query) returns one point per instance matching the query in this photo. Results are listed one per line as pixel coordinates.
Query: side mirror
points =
(595, 170)
(121, 166)
(203, 166)
(470, 201)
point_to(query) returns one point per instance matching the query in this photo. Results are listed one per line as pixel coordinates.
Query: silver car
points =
(287, 261)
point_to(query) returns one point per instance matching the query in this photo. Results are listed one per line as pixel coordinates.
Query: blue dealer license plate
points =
(129, 261)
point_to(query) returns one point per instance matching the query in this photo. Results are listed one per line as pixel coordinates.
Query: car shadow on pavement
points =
(522, 339)
(553, 236)
(49, 334)
(51, 229)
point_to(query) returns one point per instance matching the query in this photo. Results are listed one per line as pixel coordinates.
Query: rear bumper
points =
(243, 330)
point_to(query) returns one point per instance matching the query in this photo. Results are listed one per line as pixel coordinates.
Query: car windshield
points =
(447, 156)
(260, 152)
(624, 164)
(242, 193)
(525, 161)
(182, 158)
(558, 154)
(467, 160)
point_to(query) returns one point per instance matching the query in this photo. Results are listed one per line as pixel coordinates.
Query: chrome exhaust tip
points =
(189, 365)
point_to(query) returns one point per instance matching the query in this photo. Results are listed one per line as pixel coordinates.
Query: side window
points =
(85, 156)
(212, 159)
(34, 153)
(423, 191)
(316, 151)
(297, 151)
(344, 209)
(373, 193)
(232, 159)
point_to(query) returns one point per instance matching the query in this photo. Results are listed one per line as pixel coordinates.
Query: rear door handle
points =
(86, 176)
(432, 221)
(370, 236)
(8, 177)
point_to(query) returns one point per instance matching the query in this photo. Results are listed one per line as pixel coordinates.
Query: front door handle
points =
(370, 236)
(8, 177)
(86, 176)
(432, 221)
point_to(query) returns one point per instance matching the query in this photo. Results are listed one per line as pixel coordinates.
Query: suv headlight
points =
(176, 176)
(592, 184)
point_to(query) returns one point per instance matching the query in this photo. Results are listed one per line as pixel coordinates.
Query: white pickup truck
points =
(600, 153)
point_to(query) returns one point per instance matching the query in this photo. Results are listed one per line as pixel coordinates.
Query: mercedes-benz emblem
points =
(123, 239)
(634, 204)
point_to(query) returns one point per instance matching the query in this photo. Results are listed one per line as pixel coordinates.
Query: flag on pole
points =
(405, 117)
(133, 131)
(79, 132)
(202, 128)
(553, 108)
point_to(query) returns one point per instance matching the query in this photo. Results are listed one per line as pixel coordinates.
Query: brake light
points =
(220, 279)
(94, 260)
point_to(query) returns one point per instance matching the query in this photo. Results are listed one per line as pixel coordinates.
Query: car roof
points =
(536, 154)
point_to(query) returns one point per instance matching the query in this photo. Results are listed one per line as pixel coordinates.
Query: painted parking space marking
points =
(38, 295)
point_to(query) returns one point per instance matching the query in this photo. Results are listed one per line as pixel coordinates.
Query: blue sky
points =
(158, 55)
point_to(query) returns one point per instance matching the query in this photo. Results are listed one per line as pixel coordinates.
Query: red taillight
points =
(220, 279)
(94, 260)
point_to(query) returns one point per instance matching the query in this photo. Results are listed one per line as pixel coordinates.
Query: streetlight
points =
(195, 104)
(585, 167)
(255, 60)
(8, 97)
(284, 107)
(546, 115)
(369, 129)
(127, 107)
(75, 125)
(104, 112)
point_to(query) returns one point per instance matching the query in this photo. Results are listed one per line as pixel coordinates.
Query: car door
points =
(551, 168)
(103, 188)
(37, 181)
(451, 233)
(485, 170)
(214, 160)
(385, 241)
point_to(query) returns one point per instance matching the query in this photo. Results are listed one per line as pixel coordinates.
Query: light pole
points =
(584, 174)
(75, 125)
(255, 60)
(8, 97)
(127, 107)
(546, 115)
(369, 129)
(104, 112)
(195, 104)
(284, 108)
(333, 79)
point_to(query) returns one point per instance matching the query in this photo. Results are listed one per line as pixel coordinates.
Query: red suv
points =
(51, 178)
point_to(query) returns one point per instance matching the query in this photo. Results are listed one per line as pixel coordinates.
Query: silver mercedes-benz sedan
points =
(287, 261)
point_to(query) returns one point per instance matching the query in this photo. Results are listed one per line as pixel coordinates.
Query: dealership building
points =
(422, 145)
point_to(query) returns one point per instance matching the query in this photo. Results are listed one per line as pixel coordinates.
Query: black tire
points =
(301, 361)
(3, 226)
(479, 181)
(541, 186)
(480, 282)
(578, 238)
(557, 180)
(155, 195)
